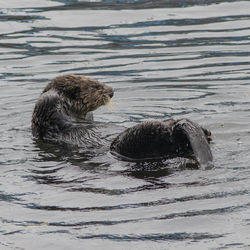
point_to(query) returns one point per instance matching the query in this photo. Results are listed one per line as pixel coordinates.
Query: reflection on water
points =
(164, 59)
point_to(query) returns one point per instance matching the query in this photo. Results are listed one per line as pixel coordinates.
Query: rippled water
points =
(165, 59)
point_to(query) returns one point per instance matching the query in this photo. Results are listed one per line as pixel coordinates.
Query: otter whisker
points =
(110, 104)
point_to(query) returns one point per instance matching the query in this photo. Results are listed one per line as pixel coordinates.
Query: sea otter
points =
(63, 113)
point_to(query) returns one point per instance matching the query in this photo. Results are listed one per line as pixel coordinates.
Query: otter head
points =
(80, 94)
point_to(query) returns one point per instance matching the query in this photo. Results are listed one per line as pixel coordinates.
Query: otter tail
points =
(198, 140)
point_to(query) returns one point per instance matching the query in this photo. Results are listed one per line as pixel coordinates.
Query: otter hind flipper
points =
(197, 138)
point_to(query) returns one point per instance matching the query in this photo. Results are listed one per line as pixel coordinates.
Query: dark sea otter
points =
(63, 113)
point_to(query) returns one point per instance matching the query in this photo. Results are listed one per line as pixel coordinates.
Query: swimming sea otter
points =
(63, 113)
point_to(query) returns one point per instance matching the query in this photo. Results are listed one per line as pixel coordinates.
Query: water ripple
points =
(164, 59)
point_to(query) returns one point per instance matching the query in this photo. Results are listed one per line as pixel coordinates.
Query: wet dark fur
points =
(65, 105)
(163, 139)
(63, 111)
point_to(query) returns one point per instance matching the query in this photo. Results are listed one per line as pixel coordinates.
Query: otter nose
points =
(109, 91)
(111, 94)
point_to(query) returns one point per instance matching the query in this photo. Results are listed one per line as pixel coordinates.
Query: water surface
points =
(164, 59)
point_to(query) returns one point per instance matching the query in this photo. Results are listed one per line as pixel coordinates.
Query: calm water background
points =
(165, 59)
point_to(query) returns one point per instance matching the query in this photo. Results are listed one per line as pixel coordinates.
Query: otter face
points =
(81, 94)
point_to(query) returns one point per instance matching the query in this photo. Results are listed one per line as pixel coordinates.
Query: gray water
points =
(164, 59)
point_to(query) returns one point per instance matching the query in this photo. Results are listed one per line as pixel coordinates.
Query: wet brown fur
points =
(64, 100)
(81, 93)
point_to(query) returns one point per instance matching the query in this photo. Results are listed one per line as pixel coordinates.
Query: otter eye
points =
(96, 87)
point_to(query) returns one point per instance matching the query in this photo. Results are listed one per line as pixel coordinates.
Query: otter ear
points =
(73, 92)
